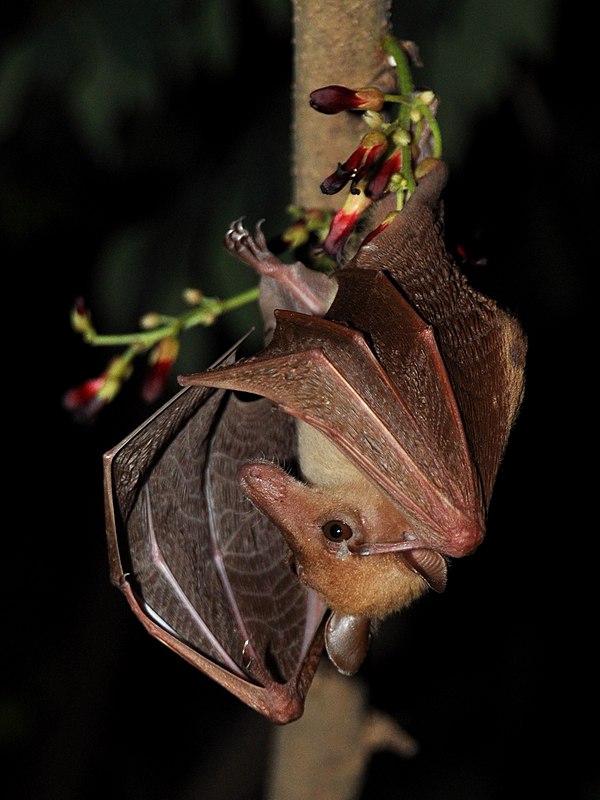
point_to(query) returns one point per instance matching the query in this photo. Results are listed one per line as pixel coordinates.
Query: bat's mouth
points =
(429, 564)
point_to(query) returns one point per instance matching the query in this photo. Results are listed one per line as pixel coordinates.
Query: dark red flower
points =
(378, 184)
(372, 146)
(337, 180)
(334, 98)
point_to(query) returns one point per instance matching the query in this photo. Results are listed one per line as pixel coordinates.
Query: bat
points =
(249, 534)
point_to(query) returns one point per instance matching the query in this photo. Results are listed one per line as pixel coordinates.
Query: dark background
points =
(131, 134)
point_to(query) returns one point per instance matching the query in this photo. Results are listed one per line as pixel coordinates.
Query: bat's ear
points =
(347, 640)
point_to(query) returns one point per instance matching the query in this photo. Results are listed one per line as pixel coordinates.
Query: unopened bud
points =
(315, 218)
(80, 317)
(426, 98)
(150, 320)
(425, 166)
(334, 98)
(401, 138)
(193, 297)
(295, 235)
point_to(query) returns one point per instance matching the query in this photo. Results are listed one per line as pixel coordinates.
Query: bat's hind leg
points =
(304, 289)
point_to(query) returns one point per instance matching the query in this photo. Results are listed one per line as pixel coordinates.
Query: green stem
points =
(406, 87)
(398, 98)
(204, 314)
(435, 130)
(403, 74)
(242, 299)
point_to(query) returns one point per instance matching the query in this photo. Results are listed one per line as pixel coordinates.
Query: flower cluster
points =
(392, 155)
(88, 398)
(158, 340)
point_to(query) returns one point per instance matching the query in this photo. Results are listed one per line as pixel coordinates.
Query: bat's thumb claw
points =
(347, 639)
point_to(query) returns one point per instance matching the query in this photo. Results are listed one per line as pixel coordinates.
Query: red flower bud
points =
(83, 400)
(378, 184)
(344, 222)
(371, 147)
(333, 99)
(387, 221)
(161, 360)
(81, 395)
(87, 399)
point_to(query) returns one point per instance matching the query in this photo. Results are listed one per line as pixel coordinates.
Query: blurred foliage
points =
(112, 60)
(471, 52)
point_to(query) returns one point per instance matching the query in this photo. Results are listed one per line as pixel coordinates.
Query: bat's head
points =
(326, 527)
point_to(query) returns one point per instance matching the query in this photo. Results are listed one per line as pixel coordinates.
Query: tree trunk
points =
(324, 754)
(334, 43)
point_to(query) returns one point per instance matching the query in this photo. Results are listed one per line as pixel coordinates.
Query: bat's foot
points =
(252, 249)
(306, 290)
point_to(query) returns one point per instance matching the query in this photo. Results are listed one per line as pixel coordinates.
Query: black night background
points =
(130, 135)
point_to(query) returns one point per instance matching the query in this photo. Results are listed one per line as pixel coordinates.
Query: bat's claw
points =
(347, 640)
(305, 290)
(250, 248)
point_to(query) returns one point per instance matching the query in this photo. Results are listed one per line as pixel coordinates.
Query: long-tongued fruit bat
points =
(245, 533)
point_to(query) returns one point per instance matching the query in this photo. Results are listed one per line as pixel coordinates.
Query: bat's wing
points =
(204, 571)
(482, 345)
(382, 395)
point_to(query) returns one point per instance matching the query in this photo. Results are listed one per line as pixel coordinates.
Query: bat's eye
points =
(336, 531)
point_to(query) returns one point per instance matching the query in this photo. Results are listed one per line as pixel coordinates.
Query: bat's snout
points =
(264, 483)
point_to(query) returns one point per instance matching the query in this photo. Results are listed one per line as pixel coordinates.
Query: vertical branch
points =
(334, 43)
(323, 755)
